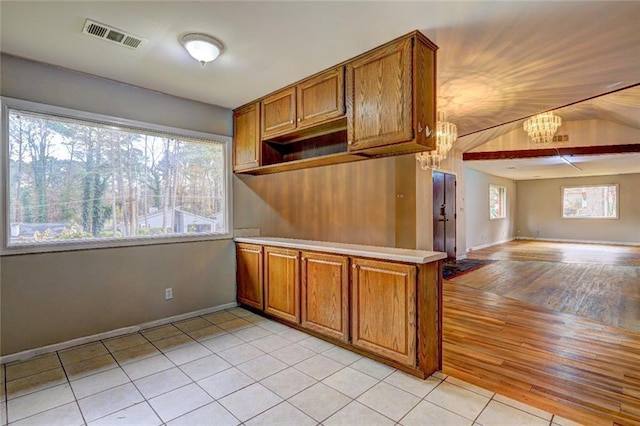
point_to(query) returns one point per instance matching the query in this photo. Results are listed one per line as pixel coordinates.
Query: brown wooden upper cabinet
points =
(246, 137)
(390, 98)
(279, 113)
(384, 99)
(321, 98)
(308, 103)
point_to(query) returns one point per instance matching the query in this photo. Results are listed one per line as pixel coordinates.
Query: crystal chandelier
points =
(542, 127)
(446, 135)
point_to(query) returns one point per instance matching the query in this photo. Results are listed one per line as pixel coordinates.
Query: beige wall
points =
(581, 133)
(54, 297)
(351, 203)
(482, 231)
(384, 202)
(539, 211)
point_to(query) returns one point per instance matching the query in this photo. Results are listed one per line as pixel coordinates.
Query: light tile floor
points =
(234, 367)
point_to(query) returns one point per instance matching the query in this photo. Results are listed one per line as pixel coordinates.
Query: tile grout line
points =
(251, 342)
(6, 392)
(134, 384)
(75, 399)
(180, 369)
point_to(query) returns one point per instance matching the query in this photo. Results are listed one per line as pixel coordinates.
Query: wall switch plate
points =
(168, 293)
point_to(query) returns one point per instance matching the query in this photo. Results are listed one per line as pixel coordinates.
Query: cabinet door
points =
(383, 312)
(282, 283)
(321, 98)
(279, 113)
(249, 274)
(325, 294)
(379, 97)
(246, 138)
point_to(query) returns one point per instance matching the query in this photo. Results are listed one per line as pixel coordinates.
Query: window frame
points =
(617, 209)
(7, 103)
(503, 197)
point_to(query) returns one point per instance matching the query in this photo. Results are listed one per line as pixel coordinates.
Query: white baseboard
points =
(494, 243)
(564, 240)
(21, 356)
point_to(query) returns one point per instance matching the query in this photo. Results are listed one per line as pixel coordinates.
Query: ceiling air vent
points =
(111, 34)
(561, 138)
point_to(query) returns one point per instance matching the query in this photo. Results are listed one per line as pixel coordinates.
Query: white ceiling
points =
(498, 62)
(554, 167)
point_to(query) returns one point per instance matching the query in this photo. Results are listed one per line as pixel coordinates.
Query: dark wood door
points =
(325, 294)
(246, 138)
(444, 213)
(379, 97)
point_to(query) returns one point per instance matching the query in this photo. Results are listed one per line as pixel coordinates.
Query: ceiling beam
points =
(550, 152)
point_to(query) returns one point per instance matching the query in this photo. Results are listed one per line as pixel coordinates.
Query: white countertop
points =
(376, 252)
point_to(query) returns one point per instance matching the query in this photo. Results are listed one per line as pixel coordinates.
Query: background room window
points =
(76, 180)
(590, 202)
(497, 202)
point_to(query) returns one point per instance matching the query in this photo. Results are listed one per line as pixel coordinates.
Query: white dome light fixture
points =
(201, 47)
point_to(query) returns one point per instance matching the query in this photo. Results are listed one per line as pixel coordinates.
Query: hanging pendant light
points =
(542, 127)
(446, 135)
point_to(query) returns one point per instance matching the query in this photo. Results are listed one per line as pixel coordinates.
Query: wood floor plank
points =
(573, 366)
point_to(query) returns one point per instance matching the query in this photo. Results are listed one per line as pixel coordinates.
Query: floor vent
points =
(105, 32)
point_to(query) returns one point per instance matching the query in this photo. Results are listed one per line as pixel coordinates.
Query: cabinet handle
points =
(349, 142)
(427, 131)
(299, 119)
(290, 121)
(354, 266)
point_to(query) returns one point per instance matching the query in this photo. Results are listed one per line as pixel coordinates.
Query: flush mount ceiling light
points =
(542, 127)
(201, 47)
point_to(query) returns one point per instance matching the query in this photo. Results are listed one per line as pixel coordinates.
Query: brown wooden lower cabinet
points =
(383, 307)
(390, 311)
(325, 294)
(249, 275)
(282, 283)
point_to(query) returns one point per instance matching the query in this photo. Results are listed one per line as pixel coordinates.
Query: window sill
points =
(109, 244)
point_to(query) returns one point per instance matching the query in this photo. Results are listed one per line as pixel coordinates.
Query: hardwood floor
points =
(594, 281)
(574, 366)
(561, 252)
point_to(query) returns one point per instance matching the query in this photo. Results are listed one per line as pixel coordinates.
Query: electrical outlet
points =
(168, 293)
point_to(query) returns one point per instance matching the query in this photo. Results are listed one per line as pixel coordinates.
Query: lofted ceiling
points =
(498, 62)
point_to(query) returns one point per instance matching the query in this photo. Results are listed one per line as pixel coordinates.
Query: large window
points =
(590, 202)
(497, 202)
(88, 180)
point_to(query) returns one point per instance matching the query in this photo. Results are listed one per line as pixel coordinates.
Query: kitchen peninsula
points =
(381, 302)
